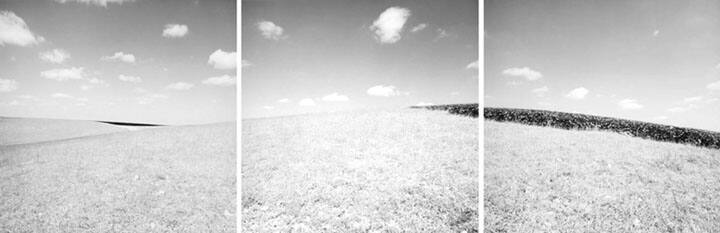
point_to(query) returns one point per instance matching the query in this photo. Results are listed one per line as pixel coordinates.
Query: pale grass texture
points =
(409, 170)
(30, 130)
(170, 179)
(541, 179)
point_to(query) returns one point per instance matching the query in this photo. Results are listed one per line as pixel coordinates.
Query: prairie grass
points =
(540, 179)
(170, 179)
(408, 170)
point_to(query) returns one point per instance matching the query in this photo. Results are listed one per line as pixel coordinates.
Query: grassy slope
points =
(541, 179)
(173, 179)
(411, 170)
(29, 130)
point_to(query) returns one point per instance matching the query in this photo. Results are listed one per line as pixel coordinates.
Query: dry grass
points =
(384, 171)
(29, 130)
(173, 179)
(550, 180)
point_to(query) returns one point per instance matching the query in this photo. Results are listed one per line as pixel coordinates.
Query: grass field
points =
(170, 179)
(540, 179)
(30, 130)
(410, 170)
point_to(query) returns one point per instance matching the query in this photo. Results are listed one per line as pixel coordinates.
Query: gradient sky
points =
(647, 60)
(329, 55)
(118, 60)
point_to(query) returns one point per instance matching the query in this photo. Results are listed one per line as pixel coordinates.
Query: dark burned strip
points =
(128, 123)
(588, 122)
(470, 110)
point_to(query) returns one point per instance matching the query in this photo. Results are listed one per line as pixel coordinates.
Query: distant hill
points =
(31, 130)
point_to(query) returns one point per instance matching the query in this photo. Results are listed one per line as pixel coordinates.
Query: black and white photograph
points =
(360, 116)
(601, 116)
(118, 116)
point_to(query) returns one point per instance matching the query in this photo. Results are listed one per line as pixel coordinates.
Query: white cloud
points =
(8, 85)
(381, 90)
(525, 72)
(150, 98)
(64, 74)
(419, 27)
(629, 104)
(223, 60)
(656, 32)
(693, 99)
(389, 24)
(102, 3)
(441, 34)
(225, 80)
(128, 78)
(714, 86)
(473, 65)
(245, 63)
(454, 93)
(269, 30)
(577, 93)
(541, 91)
(120, 56)
(180, 86)
(335, 97)
(175, 30)
(268, 107)
(97, 81)
(306, 102)
(423, 104)
(678, 109)
(57, 56)
(13, 30)
(62, 96)
(283, 100)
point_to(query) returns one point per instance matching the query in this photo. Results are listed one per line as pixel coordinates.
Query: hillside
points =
(169, 179)
(31, 130)
(407, 170)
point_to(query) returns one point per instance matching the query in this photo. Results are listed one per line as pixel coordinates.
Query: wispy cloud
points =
(525, 72)
(150, 98)
(62, 96)
(180, 86)
(384, 91)
(577, 93)
(335, 97)
(714, 86)
(175, 30)
(74, 73)
(120, 56)
(283, 100)
(306, 102)
(541, 91)
(224, 80)
(441, 34)
(128, 78)
(57, 56)
(419, 27)
(472, 65)
(268, 107)
(8, 85)
(102, 3)
(13, 30)
(245, 63)
(629, 104)
(270, 31)
(389, 24)
(223, 60)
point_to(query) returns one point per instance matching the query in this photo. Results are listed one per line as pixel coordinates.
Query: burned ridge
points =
(574, 121)
(470, 110)
(128, 123)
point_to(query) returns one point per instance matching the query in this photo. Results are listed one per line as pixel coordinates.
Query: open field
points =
(169, 179)
(409, 170)
(30, 130)
(542, 179)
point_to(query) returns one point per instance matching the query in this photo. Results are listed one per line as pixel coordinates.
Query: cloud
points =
(306, 102)
(8, 85)
(472, 65)
(656, 32)
(629, 104)
(335, 97)
(389, 24)
(64, 74)
(525, 72)
(541, 91)
(441, 34)
(423, 104)
(13, 30)
(127, 78)
(577, 93)
(57, 56)
(180, 86)
(175, 30)
(245, 63)
(62, 96)
(268, 107)
(223, 60)
(693, 99)
(714, 86)
(283, 100)
(120, 56)
(419, 27)
(678, 109)
(225, 80)
(384, 91)
(454, 93)
(270, 31)
(102, 3)
(150, 98)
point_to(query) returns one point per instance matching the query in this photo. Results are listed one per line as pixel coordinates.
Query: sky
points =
(648, 60)
(303, 56)
(166, 62)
